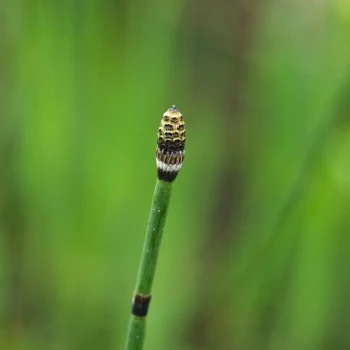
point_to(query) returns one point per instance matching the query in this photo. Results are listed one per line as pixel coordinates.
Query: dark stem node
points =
(140, 304)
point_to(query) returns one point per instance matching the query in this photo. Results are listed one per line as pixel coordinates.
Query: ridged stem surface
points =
(159, 208)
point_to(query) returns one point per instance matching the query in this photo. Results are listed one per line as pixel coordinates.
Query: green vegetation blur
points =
(255, 252)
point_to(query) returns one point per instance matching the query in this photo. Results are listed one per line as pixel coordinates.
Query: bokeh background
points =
(255, 253)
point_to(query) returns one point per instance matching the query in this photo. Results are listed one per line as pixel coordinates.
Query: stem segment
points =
(170, 153)
(142, 296)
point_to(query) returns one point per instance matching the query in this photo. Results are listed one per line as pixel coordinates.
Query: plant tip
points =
(170, 151)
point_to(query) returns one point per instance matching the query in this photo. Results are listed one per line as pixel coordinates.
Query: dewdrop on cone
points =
(170, 150)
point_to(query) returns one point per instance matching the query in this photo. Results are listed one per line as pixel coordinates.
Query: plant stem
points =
(170, 154)
(160, 203)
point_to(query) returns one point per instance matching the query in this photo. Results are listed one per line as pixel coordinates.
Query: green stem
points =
(142, 296)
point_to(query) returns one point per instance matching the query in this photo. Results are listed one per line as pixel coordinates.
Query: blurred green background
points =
(255, 253)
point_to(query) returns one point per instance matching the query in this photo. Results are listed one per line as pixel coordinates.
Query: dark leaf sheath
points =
(140, 305)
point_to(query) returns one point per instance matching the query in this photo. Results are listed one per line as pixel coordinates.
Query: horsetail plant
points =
(170, 154)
